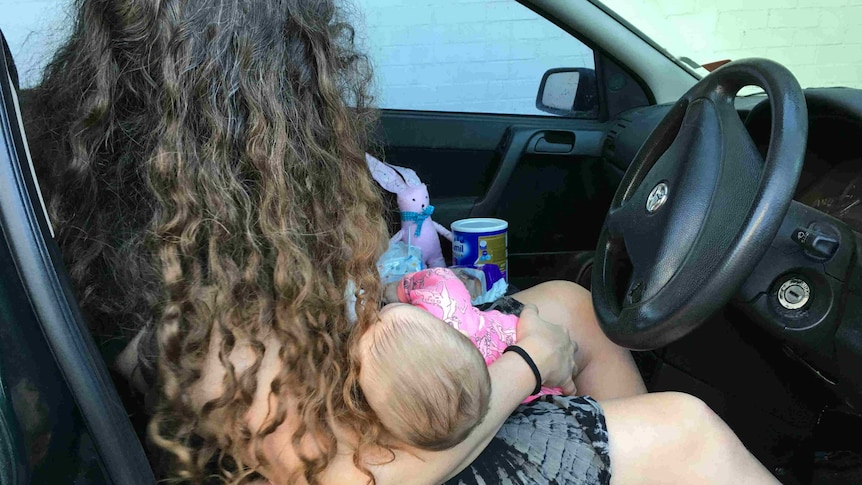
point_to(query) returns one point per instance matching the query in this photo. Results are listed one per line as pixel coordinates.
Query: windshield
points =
(821, 45)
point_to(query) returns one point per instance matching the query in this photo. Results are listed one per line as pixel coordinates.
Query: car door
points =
(458, 85)
(61, 420)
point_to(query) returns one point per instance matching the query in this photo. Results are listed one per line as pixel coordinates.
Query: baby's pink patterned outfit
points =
(439, 292)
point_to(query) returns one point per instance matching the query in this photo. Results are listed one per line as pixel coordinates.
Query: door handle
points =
(520, 140)
(553, 142)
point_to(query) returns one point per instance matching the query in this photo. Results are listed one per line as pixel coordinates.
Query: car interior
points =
(744, 290)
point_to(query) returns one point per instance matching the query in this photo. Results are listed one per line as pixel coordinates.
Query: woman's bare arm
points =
(512, 381)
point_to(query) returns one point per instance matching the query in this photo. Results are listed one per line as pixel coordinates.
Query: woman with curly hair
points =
(204, 164)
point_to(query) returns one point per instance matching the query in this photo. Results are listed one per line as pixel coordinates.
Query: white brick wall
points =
(462, 55)
(820, 41)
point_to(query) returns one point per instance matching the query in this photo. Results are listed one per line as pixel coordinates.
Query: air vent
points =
(610, 146)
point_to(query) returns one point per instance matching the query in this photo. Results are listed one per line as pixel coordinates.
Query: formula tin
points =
(480, 241)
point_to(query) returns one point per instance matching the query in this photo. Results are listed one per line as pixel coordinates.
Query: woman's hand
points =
(551, 348)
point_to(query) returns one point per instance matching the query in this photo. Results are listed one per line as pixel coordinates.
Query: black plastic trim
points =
(439, 130)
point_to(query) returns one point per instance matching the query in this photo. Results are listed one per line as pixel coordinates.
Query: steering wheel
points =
(697, 208)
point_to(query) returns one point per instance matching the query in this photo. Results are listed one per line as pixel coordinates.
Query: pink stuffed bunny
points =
(417, 227)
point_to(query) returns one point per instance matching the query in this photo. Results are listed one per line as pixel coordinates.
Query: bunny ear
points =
(385, 175)
(409, 175)
(392, 178)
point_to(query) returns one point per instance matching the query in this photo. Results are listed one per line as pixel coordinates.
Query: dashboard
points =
(831, 179)
(825, 334)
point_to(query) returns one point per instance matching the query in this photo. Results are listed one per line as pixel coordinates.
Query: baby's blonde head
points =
(426, 381)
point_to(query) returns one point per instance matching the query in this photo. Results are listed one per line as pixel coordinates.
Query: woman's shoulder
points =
(279, 448)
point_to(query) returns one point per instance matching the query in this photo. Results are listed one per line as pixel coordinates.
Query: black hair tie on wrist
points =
(523, 353)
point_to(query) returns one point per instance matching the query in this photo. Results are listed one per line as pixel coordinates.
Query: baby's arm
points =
(435, 290)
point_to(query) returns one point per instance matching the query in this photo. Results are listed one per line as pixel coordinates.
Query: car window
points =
(820, 42)
(52, 441)
(463, 56)
(448, 55)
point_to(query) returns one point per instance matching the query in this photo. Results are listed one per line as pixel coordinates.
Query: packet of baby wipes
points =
(399, 260)
(485, 283)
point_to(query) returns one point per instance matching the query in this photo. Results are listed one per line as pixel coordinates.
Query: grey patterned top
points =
(553, 440)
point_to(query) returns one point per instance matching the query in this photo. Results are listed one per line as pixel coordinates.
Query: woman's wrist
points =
(532, 365)
(538, 351)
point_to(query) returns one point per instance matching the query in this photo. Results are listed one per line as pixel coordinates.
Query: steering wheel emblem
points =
(657, 197)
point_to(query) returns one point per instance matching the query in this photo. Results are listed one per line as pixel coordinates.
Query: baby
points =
(434, 332)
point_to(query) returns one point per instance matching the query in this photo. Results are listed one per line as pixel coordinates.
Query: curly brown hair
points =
(206, 174)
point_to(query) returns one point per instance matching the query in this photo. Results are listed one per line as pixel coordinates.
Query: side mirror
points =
(569, 91)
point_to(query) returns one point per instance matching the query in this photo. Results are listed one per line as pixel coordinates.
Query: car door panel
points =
(544, 175)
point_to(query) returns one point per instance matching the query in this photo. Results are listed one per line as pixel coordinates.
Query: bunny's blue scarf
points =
(418, 218)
